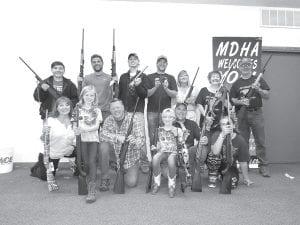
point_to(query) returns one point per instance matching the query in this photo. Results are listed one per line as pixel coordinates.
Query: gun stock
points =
(50, 90)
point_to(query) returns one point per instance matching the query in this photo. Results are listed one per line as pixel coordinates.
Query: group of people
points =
(200, 121)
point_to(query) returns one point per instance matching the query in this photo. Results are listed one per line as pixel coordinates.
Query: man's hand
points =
(45, 86)
(157, 82)
(131, 139)
(244, 101)
(79, 79)
(137, 81)
(228, 129)
(77, 130)
(189, 100)
(256, 86)
(166, 83)
(120, 138)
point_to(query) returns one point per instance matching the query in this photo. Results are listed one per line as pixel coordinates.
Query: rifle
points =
(52, 91)
(153, 151)
(191, 87)
(52, 185)
(243, 108)
(114, 69)
(183, 164)
(119, 186)
(82, 186)
(197, 180)
(81, 63)
(226, 183)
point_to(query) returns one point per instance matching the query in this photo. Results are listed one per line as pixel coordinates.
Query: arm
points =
(108, 133)
(142, 87)
(217, 146)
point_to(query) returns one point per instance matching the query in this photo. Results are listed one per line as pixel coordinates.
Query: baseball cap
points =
(162, 57)
(133, 55)
(244, 61)
(181, 103)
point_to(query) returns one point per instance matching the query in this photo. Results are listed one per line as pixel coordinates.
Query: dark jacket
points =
(129, 96)
(47, 101)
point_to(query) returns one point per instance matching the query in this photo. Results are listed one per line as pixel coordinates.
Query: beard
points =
(98, 68)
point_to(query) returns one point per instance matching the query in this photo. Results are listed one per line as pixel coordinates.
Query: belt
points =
(253, 109)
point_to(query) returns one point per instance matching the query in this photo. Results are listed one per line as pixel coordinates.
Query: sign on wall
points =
(228, 51)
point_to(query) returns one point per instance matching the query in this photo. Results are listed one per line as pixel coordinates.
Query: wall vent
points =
(287, 18)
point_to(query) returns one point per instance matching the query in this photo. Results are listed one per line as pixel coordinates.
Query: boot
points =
(156, 184)
(91, 197)
(212, 179)
(171, 184)
(104, 186)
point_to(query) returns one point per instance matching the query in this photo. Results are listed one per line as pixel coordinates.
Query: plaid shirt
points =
(109, 134)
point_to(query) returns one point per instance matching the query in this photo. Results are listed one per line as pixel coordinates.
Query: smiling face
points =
(168, 117)
(97, 64)
(180, 112)
(89, 97)
(183, 78)
(215, 79)
(161, 65)
(133, 62)
(245, 68)
(58, 71)
(63, 108)
(117, 110)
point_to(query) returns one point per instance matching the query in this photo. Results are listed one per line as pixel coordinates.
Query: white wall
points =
(44, 31)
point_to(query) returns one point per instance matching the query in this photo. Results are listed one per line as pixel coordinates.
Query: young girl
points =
(62, 138)
(168, 137)
(90, 118)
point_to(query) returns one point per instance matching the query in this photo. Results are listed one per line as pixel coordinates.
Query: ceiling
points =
(263, 3)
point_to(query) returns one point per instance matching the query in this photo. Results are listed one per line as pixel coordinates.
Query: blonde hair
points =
(182, 72)
(84, 91)
(168, 111)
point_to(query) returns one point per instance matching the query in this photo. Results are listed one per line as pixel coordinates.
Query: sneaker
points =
(263, 170)
(104, 186)
(171, 192)
(155, 189)
(248, 182)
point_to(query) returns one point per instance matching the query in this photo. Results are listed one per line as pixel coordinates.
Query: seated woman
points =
(61, 137)
(217, 156)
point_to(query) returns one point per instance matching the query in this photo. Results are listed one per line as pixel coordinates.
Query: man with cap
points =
(162, 89)
(253, 118)
(131, 88)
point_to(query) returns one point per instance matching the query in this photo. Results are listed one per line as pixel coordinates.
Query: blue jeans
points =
(153, 122)
(255, 121)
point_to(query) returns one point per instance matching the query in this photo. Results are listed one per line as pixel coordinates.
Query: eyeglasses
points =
(246, 65)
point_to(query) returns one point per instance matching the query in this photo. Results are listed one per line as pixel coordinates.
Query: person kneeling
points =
(239, 151)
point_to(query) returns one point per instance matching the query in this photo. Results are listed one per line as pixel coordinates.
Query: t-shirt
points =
(204, 98)
(58, 85)
(62, 139)
(165, 99)
(240, 148)
(89, 118)
(242, 86)
(192, 131)
(167, 139)
(103, 88)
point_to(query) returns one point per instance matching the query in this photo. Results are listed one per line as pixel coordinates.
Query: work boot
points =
(212, 179)
(156, 184)
(104, 185)
(91, 197)
(171, 184)
(263, 170)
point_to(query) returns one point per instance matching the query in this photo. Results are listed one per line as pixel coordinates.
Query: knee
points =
(132, 180)
(104, 148)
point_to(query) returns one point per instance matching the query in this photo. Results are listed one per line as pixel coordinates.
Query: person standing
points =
(162, 88)
(253, 118)
(102, 83)
(65, 87)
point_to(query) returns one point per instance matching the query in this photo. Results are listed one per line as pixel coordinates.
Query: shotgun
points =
(51, 90)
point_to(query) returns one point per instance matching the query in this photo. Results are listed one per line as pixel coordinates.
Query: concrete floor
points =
(26, 200)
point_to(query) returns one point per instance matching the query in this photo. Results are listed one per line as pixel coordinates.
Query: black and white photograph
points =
(171, 112)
